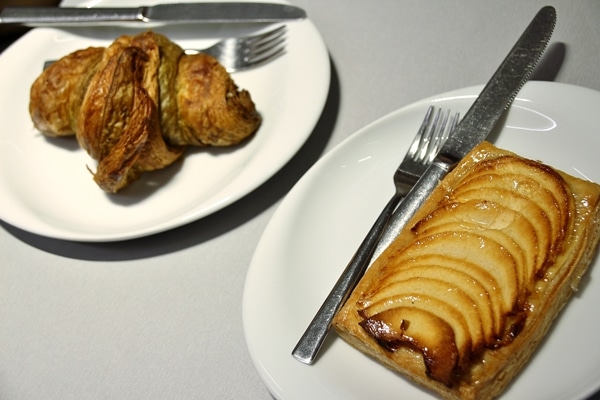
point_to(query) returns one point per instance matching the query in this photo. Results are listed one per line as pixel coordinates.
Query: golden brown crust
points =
(118, 122)
(136, 104)
(487, 371)
(170, 54)
(212, 109)
(55, 96)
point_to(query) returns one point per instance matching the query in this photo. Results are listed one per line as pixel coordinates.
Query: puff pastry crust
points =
(461, 299)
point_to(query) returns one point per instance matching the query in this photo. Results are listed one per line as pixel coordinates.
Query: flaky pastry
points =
(461, 299)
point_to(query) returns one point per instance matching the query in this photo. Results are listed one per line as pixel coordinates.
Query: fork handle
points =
(311, 341)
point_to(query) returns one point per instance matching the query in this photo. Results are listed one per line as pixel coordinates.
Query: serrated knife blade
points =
(481, 118)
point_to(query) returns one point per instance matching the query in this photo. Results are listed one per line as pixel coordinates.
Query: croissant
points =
(135, 105)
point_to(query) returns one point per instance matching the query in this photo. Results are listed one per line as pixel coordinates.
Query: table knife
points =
(481, 118)
(495, 98)
(206, 12)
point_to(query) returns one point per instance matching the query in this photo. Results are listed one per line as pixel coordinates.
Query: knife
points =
(495, 98)
(478, 122)
(209, 12)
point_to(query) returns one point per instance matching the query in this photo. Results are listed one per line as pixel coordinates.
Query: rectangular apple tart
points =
(460, 300)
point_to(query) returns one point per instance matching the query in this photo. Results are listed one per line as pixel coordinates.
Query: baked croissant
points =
(135, 105)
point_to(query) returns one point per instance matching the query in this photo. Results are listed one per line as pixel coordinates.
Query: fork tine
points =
(416, 143)
(247, 43)
(429, 136)
(442, 136)
(235, 62)
(264, 56)
(252, 51)
(436, 140)
(433, 133)
(266, 36)
(266, 47)
(267, 44)
(258, 54)
(266, 51)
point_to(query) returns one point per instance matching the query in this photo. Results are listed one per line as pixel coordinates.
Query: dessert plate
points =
(321, 222)
(46, 188)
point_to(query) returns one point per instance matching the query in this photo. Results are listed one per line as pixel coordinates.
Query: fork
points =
(434, 131)
(241, 53)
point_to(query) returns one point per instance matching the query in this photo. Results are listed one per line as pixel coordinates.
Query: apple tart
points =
(460, 300)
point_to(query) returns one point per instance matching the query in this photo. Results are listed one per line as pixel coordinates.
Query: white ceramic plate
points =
(321, 222)
(46, 188)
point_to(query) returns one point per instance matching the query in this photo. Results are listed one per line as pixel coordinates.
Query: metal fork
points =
(430, 137)
(241, 53)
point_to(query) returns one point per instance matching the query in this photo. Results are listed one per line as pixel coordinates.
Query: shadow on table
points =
(550, 63)
(215, 224)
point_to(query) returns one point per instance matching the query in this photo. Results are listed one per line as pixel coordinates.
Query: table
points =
(161, 317)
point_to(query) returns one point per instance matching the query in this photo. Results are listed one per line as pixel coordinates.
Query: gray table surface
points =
(161, 317)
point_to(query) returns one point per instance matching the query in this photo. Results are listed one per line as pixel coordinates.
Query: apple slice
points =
(530, 210)
(447, 294)
(507, 227)
(474, 272)
(532, 180)
(457, 280)
(422, 330)
(394, 304)
(470, 249)
(529, 189)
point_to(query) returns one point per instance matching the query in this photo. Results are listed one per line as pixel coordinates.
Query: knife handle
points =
(53, 15)
(412, 202)
(311, 341)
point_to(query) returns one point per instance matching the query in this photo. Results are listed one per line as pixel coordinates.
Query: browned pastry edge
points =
(212, 110)
(488, 377)
(57, 115)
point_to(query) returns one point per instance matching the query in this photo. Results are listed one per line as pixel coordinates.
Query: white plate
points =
(321, 222)
(45, 187)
